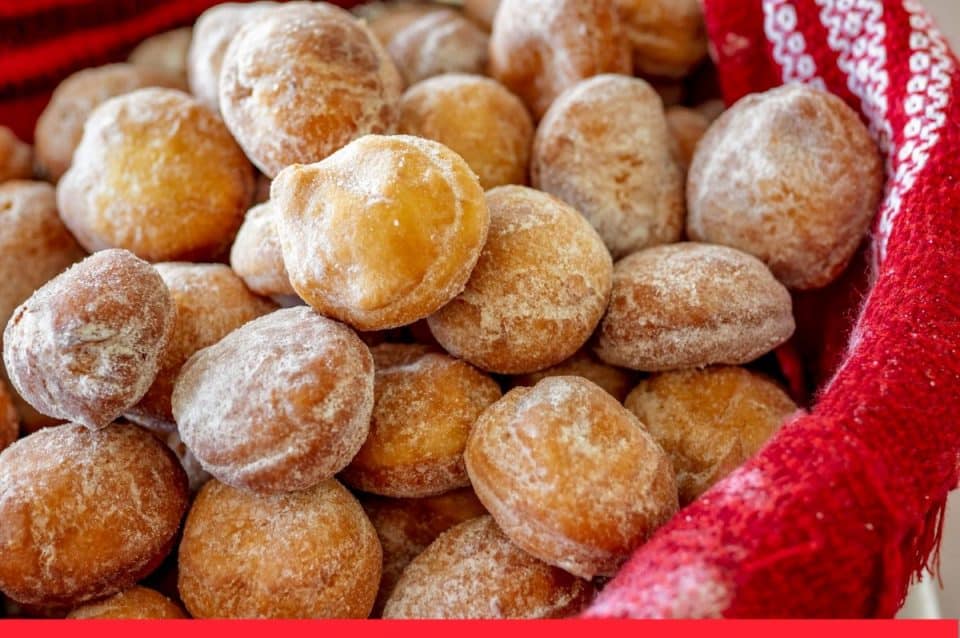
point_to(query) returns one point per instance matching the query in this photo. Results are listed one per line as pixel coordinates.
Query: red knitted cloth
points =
(838, 512)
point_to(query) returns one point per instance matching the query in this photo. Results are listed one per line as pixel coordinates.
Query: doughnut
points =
(60, 126)
(540, 48)
(85, 514)
(134, 182)
(306, 554)
(667, 37)
(616, 381)
(604, 148)
(210, 301)
(691, 305)
(16, 157)
(790, 176)
(87, 345)
(303, 80)
(539, 289)
(386, 19)
(570, 475)
(279, 404)
(481, 11)
(487, 125)
(474, 571)
(436, 43)
(687, 126)
(9, 421)
(256, 255)
(709, 421)
(383, 232)
(134, 603)
(424, 408)
(165, 52)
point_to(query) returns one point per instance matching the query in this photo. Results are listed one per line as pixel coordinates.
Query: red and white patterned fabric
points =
(844, 505)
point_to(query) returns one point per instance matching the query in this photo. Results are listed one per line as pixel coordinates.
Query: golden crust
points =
(570, 475)
(383, 232)
(687, 126)
(256, 255)
(474, 571)
(791, 176)
(616, 381)
(437, 43)
(539, 289)
(85, 514)
(16, 157)
(668, 37)
(9, 421)
(165, 52)
(135, 603)
(308, 554)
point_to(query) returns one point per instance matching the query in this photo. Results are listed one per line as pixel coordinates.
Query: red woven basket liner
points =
(844, 506)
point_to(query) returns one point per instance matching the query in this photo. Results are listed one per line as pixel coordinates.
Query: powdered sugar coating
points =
(134, 182)
(60, 126)
(256, 255)
(85, 514)
(87, 345)
(213, 31)
(605, 149)
(383, 232)
(791, 176)
(134, 603)
(210, 301)
(691, 305)
(16, 157)
(437, 43)
(668, 38)
(385, 19)
(617, 381)
(308, 554)
(9, 422)
(424, 409)
(539, 289)
(165, 52)
(279, 404)
(474, 571)
(302, 81)
(477, 118)
(570, 475)
(540, 48)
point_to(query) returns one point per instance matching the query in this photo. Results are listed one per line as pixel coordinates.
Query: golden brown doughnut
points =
(16, 157)
(570, 475)
(87, 345)
(604, 148)
(668, 37)
(791, 176)
(279, 404)
(165, 52)
(709, 421)
(481, 11)
(303, 80)
(385, 19)
(538, 291)
(424, 409)
(308, 554)
(477, 118)
(9, 421)
(210, 301)
(85, 514)
(135, 603)
(617, 381)
(474, 571)
(436, 43)
(687, 126)
(256, 255)
(383, 232)
(540, 48)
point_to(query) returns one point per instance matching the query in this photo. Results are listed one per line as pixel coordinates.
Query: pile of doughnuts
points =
(416, 311)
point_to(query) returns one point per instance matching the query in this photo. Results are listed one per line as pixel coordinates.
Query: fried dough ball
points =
(279, 404)
(386, 19)
(87, 345)
(570, 475)
(691, 305)
(165, 52)
(197, 477)
(477, 118)
(668, 37)
(212, 34)
(541, 48)
(616, 381)
(709, 421)
(135, 603)
(481, 11)
(406, 526)
(474, 571)
(9, 421)
(16, 157)
(424, 409)
(60, 126)
(538, 291)
(439, 42)
(307, 554)
(687, 126)
(383, 232)
(134, 182)
(791, 176)
(210, 302)
(35, 246)
(256, 255)
(604, 148)
(85, 514)
(303, 80)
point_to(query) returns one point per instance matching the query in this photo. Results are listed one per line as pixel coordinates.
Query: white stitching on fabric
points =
(789, 44)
